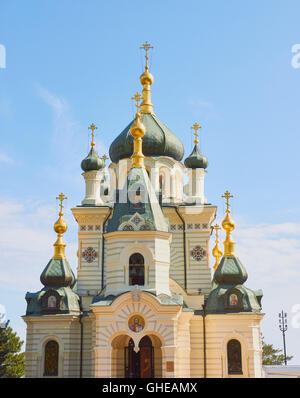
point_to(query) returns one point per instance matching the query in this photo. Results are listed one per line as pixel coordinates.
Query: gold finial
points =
(146, 79)
(92, 127)
(217, 252)
(60, 228)
(146, 46)
(228, 225)
(104, 157)
(227, 195)
(61, 197)
(137, 130)
(196, 127)
(137, 97)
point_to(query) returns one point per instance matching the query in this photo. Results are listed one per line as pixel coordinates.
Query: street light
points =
(283, 328)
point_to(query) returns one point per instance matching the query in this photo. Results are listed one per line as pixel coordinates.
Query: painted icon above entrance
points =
(136, 323)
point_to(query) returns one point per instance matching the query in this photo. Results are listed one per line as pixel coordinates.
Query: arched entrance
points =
(139, 364)
(145, 363)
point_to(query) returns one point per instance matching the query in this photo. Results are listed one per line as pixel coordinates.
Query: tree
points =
(271, 355)
(12, 361)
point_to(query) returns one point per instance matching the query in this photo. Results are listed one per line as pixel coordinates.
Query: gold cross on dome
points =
(137, 97)
(216, 228)
(227, 195)
(104, 157)
(61, 197)
(146, 46)
(196, 127)
(92, 127)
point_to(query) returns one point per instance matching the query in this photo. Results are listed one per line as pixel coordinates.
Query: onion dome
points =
(196, 160)
(92, 162)
(159, 141)
(228, 291)
(58, 271)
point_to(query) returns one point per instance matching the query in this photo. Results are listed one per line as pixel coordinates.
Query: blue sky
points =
(226, 65)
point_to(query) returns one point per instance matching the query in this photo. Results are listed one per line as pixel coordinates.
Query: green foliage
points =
(12, 361)
(271, 355)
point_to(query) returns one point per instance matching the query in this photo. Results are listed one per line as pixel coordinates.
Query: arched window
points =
(136, 269)
(51, 359)
(234, 356)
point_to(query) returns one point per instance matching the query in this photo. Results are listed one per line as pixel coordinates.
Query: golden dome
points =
(146, 78)
(217, 252)
(228, 223)
(137, 129)
(60, 225)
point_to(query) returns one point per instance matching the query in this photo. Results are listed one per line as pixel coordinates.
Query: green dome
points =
(92, 162)
(196, 160)
(158, 141)
(57, 273)
(230, 271)
(228, 293)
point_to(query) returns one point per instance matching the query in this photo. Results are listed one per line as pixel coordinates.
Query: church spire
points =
(146, 80)
(228, 225)
(217, 252)
(60, 228)
(137, 130)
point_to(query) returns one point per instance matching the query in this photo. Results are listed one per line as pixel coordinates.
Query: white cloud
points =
(69, 139)
(26, 242)
(5, 159)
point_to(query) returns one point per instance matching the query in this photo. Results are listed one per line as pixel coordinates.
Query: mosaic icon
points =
(136, 323)
(89, 254)
(198, 253)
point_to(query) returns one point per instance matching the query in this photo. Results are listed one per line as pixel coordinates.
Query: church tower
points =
(144, 303)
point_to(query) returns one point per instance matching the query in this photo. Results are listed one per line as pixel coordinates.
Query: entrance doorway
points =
(139, 364)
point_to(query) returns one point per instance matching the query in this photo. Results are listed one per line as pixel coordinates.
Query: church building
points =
(145, 302)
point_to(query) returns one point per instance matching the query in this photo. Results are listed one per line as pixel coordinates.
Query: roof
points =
(228, 292)
(137, 207)
(158, 141)
(196, 160)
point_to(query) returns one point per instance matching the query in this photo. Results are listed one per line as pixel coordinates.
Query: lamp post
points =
(283, 328)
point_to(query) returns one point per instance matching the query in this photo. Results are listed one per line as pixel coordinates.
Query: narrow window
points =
(234, 355)
(51, 359)
(136, 270)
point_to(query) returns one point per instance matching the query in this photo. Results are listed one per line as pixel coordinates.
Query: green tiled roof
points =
(228, 280)
(147, 214)
(158, 141)
(57, 273)
(196, 160)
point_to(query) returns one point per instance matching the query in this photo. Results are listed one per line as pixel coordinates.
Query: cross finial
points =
(93, 127)
(227, 195)
(196, 127)
(146, 46)
(61, 197)
(137, 97)
(104, 157)
(216, 228)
